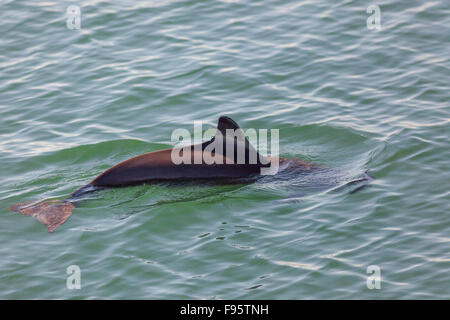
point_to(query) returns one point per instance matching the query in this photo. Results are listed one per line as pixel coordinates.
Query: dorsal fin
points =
(228, 127)
(223, 124)
(226, 123)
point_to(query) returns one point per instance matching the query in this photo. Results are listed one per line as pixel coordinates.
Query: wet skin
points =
(158, 166)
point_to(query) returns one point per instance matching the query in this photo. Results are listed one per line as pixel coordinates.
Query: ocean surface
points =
(354, 99)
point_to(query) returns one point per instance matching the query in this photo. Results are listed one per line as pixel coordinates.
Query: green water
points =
(75, 102)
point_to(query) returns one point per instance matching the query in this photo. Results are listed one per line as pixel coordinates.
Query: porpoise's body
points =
(159, 166)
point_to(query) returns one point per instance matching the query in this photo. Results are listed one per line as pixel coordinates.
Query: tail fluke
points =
(51, 213)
